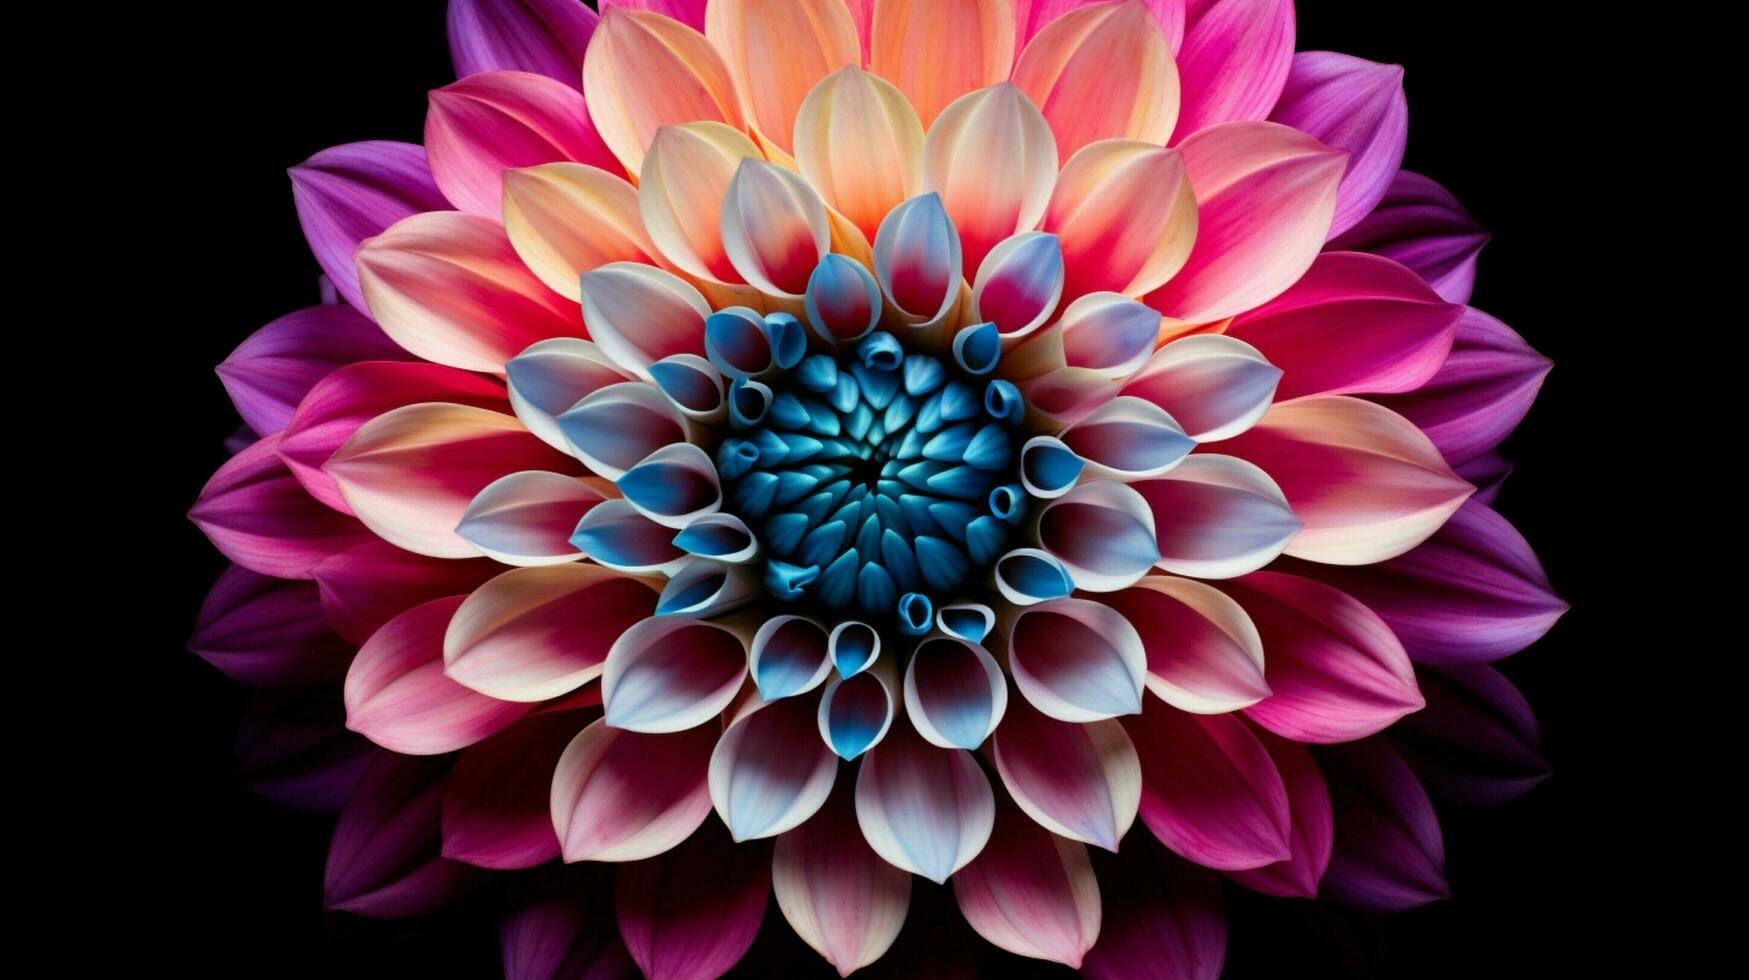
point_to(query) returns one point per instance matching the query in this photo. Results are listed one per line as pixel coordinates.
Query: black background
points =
(1500, 105)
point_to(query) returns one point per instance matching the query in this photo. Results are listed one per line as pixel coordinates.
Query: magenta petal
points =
(1353, 323)
(1472, 593)
(255, 512)
(1421, 225)
(1164, 917)
(270, 372)
(688, 12)
(1477, 743)
(1480, 394)
(383, 861)
(497, 811)
(1389, 852)
(564, 930)
(369, 584)
(353, 395)
(351, 192)
(546, 37)
(1233, 62)
(624, 796)
(267, 631)
(1210, 791)
(1336, 670)
(1031, 892)
(1313, 830)
(1350, 104)
(293, 748)
(675, 928)
(1030, 16)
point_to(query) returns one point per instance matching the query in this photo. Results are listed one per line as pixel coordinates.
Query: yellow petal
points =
(645, 71)
(776, 50)
(1100, 72)
(1125, 215)
(567, 218)
(680, 194)
(993, 160)
(938, 50)
(859, 142)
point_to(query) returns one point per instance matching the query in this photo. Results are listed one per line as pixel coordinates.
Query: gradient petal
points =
(1234, 61)
(565, 219)
(1102, 71)
(860, 144)
(1389, 853)
(255, 512)
(774, 228)
(1204, 655)
(383, 860)
(615, 428)
(955, 693)
(938, 50)
(1312, 830)
(817, 37)
(547, 37)
(563, 929)
(638, 314)
(1019, 283)
(856, 712)
(1421, 225)
(271, 371)
(1218, 517)
(550, 377)
(1031, 892)
(917, 259)
(372, 582)
(627, 796)
(788, 656)
(671, 673)
(348, 193)
(993, 160)
(267, 631)
(527, 518)
(496, 812)
(1355, 105)
(770, 771)
(645, 71)
(1076, 660)
(1128, 439)
(1082, 782)
(1214, 386)
(292, 747)
(1210, 791)
(1125, 215)
(835, 891)
(923, 809)
(1103, 533)
(676, 930)
(686, 175)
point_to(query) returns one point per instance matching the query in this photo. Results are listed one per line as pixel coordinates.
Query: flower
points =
(793, 446)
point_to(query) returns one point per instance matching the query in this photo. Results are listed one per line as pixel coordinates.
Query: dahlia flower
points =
(797, 446)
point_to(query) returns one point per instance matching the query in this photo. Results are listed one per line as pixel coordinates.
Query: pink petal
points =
(1364, 482)
(1265, 194)
(676, 930)
(1389, 853)
(937, 52)
(1082, 782)
(1336, 670)
(563, 929)
(410, 474)
(774, 228)
(626, 796)
(1421, 225)
(371, 583)
(923, 809)
(917, 258)
(688, 12)
(1031, 892)
(1353, 323)
(645, 71)
(671, 673)
(497, 811)
(293, 748)
(1204, 656)
(269, 373)
(485, 124)
(1165, 918)
(398, 696)
(1032, 15)
(1126, 216)
(346, 194)
(1234, 61)
(267, 631)
(1350, 104)
(1019, 283)
(257, 515)
(1077, 660)
(770, 770)
(537, 633)
(547, 37)
(1102, 72)
(818, 37)
(1312, 829)
(384, 859)
(1210, 791)
(1477, 743)
(837, 894)
(1481, 393)
(348, 398)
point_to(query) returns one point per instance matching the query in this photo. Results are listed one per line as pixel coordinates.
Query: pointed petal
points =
(937, 51)
(496, 809)
(292, 748)
(615, 428)
(676, 930)
(1389, 853)
(837, 894)
(614, 534)
(547, 37)
(818, 37)
(1103, 533)
(563, 927)
(1031, 892)
(1421, 225)
(674, 485)
(346, 194)
(1204, 655)
(859, 144)
(917, 259)
(770, 771)
(1026, 576)
(1234, 61)
(1477, 743)
(955, 693)
(1313, 828)
(1077, 660)
(1164, 917)
(254, 511)
(923, 809)
(856, 712)
(645, 71)
(270, 372)
(1102, 71)
(686, 176)
(372, 582)
(788, 656)
(1355, 105)
(1218, 517)
(1125, 215)
(1082, 782)
(565, 219)
(1210, 791)
(1129, 439)
(671, 673)
(267, 631)
(1019, 283)
(639, 314)
(625, 796)
(774, 228)
(1213, 385)
(993, 160)
(527, 518)
(383, 860)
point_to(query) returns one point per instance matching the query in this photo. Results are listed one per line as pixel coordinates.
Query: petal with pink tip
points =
(485, 124)
(527, 518)
(346, 194)
(267, 631)
(537, 633)
(817, 38)
(1389, 853)
(496, 812)
(567, 218)
(836, 892)
(1312, 830)
(671, 673)
(639, 314)
(1265, 194)
(1210, 791)
(1164, 917)
(993, 160)
(254, 511)
(270, 372)
(410, 474)
(1218, 517)
(917, 259)
(1082, 782)
(1234, 61)
(938, 50)
(1019, 283)
(676, 930)
(955, 693)
(448, 287)
(1363, 480)
(645, 71)
(1481, 392)
(1102, 71)
(1213, 385)
(372, 582)
(550, 377)
(858, 142)
(1336, 670)
(1204, 655)
(688, 12)
(547, 37)
(1031, 892)
(923, 809)
(384, 859)
(1077, 660)
(1103, 533)
(774, 228)
(686, 175)
(770, 771)
(1350, 104)
(1354, 323)
(1477, 743)
(1125, 215)
(1421, 225)
(398, 697)
(626, 796)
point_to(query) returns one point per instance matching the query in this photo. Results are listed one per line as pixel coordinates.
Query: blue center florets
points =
(877, 479)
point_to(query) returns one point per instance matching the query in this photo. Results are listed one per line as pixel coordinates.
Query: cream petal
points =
(671, 673)
(859, 143)
(1125, 215)
(835, 891)
(1099, 72)
(1204, 654)
(644, 71)
(626, 796)
(774, 228)
(1108, 334)
(638, 314)
(923, 809)
(1218, 517)
(770, 771)
(566, 218)
(993, 160)
(817, 37)
(685, 177)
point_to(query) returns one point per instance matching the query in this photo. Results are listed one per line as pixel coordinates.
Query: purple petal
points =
(268, 631)
(1421, 225)
(293, 748)
(270, 372)
(354, 191)
(384, 860)
(1389, 853)
(1350, 104)
(547, 37)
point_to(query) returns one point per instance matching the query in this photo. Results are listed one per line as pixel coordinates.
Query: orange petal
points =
(815, 37)
(938, 50)
(858, 141)
(680, 194)
(1125, 216)
(1099, 72)
(566, 218)
(645, 71)
(993, 160)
